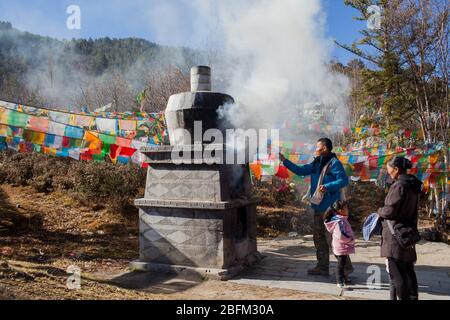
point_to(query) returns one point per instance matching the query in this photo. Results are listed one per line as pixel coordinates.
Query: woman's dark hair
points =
(401, 163)
(327, 142)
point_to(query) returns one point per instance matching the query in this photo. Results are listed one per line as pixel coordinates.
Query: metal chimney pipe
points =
(200, 78)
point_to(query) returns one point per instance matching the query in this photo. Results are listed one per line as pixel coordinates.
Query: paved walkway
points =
(287, 259)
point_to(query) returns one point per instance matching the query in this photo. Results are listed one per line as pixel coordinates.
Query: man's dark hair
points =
(327, 142)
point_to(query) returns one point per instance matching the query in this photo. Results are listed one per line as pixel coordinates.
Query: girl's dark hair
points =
(401, 163)
(339, 205)
(335, 208)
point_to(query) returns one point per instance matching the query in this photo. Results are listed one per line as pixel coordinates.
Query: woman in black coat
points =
(401, 206)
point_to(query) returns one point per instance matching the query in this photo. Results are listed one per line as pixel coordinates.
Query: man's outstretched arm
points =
(305, 170)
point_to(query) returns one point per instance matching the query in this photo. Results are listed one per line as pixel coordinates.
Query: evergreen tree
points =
(384, 80)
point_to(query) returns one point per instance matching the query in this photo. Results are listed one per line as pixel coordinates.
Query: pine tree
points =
(384, 80)
(409, 74)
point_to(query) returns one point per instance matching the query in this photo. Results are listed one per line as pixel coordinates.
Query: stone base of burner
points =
(197, 238)
(204, 273)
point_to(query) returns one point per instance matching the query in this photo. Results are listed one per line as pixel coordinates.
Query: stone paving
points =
(287, 259)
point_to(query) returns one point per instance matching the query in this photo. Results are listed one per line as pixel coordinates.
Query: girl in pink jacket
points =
(336, 222)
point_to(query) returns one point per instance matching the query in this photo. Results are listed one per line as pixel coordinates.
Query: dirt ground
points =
(41, 235)
(22, 280)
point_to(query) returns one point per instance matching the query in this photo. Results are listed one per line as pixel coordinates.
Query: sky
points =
(167, 22)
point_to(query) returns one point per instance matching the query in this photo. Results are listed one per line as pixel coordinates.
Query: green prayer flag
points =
(287, 145)
(381, 161)
(140, 97)
(107, 139)
(348, 169)
(37, 148)
(98, 157)
(268, 169)
(17, 119)
(106, 149)
(75, 143)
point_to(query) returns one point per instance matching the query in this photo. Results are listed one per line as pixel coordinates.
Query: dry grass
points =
(24, 280)
(93, 184)
(34, 258)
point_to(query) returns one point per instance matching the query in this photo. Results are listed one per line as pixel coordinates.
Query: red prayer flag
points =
(86, 155)
(114, 151)
(373, 162)
(358, 167)
(282, 172)
(66, 142)
(124, 151)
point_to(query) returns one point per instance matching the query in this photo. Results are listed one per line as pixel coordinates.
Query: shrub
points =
(275, 194)
(91, 182)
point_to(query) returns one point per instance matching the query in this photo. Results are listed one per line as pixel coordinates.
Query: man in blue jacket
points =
(334, 180)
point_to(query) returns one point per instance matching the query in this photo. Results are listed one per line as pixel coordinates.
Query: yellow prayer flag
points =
(343, 159)
(3, 115)
(256, 169)
(38, 138)
(4, 131)
(72, 119)
(434, 158)
(93, 140)
(91, 136)
(294, 157)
